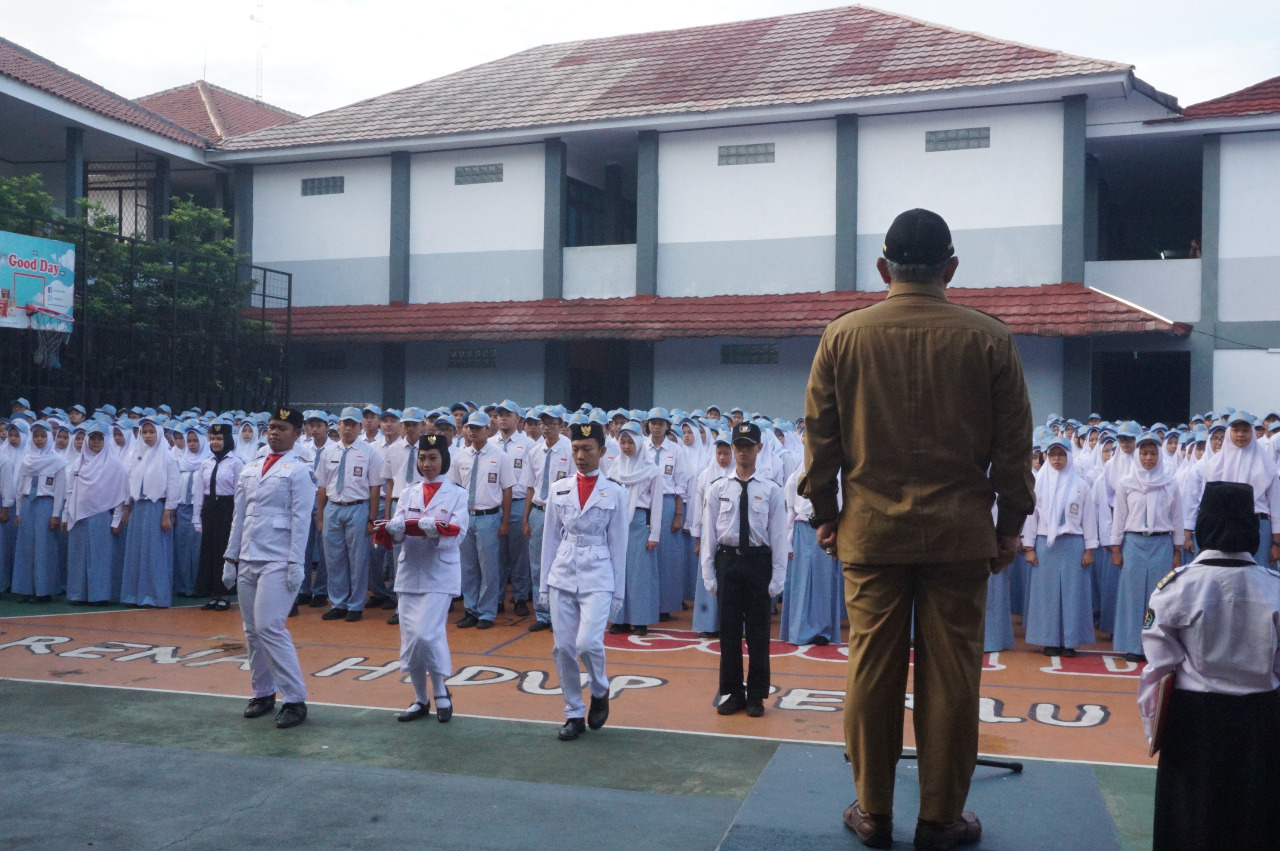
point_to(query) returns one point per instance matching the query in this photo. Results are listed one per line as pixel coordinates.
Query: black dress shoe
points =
(209, 606)
(571, 730)
(664, 617)
(502, 608)
(1069, 652)
(260, 706)
(291, 715)
(818, 641)
(293, 610)
(619, 628)
(302, 600)
(334, 615)
(733, 704)
(707, 635)
(640, 630)
(354, 615)
(539, 626)
(755, 708)
(319, 601)
(375, 601)
(1134, 657)
(484, 624)
(444, 713)
(394, 620)
(390, 605)
(522, 609)
(598, 713)
(467, 622)
(413, 713)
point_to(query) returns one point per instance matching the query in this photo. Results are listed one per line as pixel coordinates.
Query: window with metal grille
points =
(329, 359)
(473, 358)
(749, 353)
(323, 185)
(465, 175)
(746, 154)
(957, 140)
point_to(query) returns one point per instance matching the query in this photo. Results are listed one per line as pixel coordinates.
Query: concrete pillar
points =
(555, 219)
(647, 213)
(1203, 343)
(161, 191)
(846, 202)
(242, 210)
(1073, 187)
(399, 249)
(75, 182)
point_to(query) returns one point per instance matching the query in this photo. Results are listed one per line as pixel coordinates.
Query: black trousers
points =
(742, 581)
(215, 521)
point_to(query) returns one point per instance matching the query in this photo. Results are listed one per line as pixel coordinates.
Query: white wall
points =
(430, 383)
(478, 242)
(687, 373)
(1249, 242)
(1247, 379)
(1002, 203)
(759, 228)
(335, 245)
(1170, 288)
(359, 384)
(600, 271)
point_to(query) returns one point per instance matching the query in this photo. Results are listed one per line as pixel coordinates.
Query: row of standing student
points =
(1106, 531)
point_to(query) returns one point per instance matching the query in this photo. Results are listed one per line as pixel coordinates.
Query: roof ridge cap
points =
(262, 103)
(211, 108)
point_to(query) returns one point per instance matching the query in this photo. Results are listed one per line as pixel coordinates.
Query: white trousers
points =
(264, 606)
(424, 644)
(578, 620)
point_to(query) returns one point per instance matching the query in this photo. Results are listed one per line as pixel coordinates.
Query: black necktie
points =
(213, 476)
(744, 521)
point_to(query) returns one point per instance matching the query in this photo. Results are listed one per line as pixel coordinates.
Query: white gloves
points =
(544, 600)
(395, 528)
(199, 529)
(710, 585)
(775, 587)
(293, 579)
(615, 609)
(229, 571)
(428, 527)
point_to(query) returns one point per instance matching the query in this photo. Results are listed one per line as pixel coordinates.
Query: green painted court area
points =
(121, 768)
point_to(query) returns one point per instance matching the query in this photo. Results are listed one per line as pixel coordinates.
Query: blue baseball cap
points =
(478, 418)
(351, 413)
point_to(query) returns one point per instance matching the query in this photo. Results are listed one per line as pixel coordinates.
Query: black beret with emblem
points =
(440, 444)
(587, 431)
(290, 415)
(746, 433)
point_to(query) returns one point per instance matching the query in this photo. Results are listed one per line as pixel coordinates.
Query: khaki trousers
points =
(949, 601)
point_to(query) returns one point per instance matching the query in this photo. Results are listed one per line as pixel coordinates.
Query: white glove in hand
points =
(395, 528)
(615, 609)
(199, 529)
(229, 575)
(293, 580)
(775, 587)
(544, 600)
(428, 527)
(710, 585)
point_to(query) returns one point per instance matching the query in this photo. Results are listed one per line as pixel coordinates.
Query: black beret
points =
(290, 415)
(587, 431)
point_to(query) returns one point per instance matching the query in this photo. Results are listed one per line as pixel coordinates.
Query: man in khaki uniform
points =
(919, 409)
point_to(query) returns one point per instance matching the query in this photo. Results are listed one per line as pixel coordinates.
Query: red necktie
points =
(271, 459)
(586, 484)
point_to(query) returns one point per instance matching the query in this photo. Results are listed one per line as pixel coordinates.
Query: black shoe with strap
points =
(444, 713)
(260, 706)
(413, 713)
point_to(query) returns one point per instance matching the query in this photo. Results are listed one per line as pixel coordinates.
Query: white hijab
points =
(632, 471)
(39, 462)
(1252, 465)
(149, 472)
(99, 481)
(1053, 490)
(1157, 483)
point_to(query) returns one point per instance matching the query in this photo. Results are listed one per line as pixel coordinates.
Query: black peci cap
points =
(746, 433)
(587, 431)
(918, 238)
(1226, 519)
(290, 415)
(440, 444)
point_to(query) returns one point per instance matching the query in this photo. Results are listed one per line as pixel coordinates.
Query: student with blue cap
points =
(813, 597)
(42, 487)
(98, 486)
(349, 482)
(513, 549)
(488, 475)
(191, 450)
(547, 462)
(148, 520)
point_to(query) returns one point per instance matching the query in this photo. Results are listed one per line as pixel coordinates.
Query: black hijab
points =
(1226, 520)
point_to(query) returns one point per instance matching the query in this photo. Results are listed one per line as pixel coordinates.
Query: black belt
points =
(537, 507)
(482, 512)
(1151, 534)
(1262, 516)
(646, 513)
(352, 502)
(744, 550)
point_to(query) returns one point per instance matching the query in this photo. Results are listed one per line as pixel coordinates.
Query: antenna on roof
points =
(263, 32)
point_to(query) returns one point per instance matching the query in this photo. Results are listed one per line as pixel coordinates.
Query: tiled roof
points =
(828, 55)
(1259, 99)
(1054, 310)
(215, 112)
(34, 70)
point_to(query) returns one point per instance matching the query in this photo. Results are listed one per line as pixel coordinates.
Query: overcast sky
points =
(321, 54)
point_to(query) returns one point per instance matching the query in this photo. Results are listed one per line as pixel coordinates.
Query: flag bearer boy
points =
(584, 558)
(744, 562)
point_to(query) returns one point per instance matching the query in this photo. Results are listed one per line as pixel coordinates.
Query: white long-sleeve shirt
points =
(767, 525)
(1079, 517)
(1131, 513)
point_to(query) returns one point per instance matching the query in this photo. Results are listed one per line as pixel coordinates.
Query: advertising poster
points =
(34, 271)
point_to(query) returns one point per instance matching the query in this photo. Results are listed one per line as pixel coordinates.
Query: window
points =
(748, 353)
(746, 154)
(329, 359)
(473, 358)
(465, 175)
(323, 185)
(957, 140)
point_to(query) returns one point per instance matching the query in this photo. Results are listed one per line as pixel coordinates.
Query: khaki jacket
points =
(911, 401)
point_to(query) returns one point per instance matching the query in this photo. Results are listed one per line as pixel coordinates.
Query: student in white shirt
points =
(488, 476)
(643, 484)
(513, 549)
(668, 457)
(213, 507)
(349, 482)
(547, 462)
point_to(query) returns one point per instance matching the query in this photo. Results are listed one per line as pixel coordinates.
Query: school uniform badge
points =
(1150, 619)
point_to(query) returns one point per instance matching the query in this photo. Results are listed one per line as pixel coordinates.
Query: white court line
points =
(807, 742)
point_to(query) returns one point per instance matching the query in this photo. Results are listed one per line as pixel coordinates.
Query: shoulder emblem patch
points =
(1149, 620)
(1168, 579)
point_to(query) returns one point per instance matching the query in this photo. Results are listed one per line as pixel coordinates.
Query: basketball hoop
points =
(52, 330)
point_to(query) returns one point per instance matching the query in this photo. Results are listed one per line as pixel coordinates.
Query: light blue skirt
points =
(1106, 576)
(1147, 560)
(148, 558)
(999, 622)
(813, 595)
(1019, 584)
(1060, 609)
(640, 607)
(186, 553)
(671, 561)
(1263, 555)
(89, 551)
(36, 569)
(706, 606)
(118, 542)
(8, 540)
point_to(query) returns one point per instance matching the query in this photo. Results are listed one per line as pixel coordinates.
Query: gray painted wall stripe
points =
(1077, 374)
(398, 291)
(846, 202)
(647, 213)
(1073, 187)
(393, 375)
(555, 221)
(1203, 343)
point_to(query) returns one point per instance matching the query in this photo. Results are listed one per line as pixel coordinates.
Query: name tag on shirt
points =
(560, 474)
(48, 480)
(357, 471)
(493, 478)
(1075, 509)
(518, 463)
(667, 470)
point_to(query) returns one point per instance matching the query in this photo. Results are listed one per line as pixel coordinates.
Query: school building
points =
(673, 217)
